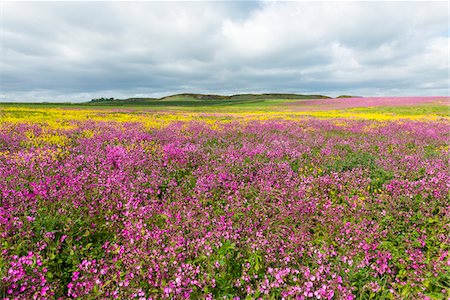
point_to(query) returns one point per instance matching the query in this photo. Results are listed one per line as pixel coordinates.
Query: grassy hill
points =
(270, 96)
(201, 100)
(347, 96)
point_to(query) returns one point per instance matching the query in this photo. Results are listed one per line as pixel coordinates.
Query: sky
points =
(76, 51)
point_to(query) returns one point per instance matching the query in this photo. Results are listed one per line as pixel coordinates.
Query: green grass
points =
(174, 103)
(413, 110)
(234, 104)
(206, 102)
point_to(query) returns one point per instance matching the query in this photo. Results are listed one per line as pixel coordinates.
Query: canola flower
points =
(58, 118)
(101, 204)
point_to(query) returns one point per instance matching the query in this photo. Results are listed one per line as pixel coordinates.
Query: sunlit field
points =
(252, 201)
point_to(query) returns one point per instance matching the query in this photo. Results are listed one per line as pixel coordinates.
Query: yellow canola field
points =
(66, 118)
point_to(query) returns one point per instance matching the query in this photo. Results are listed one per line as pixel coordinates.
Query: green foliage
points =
(74, 239)
(408, 110)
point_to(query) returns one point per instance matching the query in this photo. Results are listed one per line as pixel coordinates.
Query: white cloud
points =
(74, 50)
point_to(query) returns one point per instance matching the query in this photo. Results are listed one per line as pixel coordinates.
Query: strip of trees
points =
(101, 99)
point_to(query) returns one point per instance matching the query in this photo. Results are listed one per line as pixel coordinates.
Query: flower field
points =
(339, 103)
(123, 204)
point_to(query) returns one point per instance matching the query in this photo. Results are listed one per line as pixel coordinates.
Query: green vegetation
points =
(101, 99)
(247, 103)
(202, 100)
(202, 97)
(190, 102)
(348, 96)
(413, 110)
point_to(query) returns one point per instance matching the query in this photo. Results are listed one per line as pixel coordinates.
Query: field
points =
(255, 199)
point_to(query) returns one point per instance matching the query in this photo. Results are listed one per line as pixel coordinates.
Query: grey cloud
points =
(77, 50)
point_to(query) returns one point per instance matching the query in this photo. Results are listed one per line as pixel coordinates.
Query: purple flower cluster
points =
(307, 209)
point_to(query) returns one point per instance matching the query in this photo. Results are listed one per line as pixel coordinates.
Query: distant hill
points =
(277, 96)
(189, 97)
(347, 96)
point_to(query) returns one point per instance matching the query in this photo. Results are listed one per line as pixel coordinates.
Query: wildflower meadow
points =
(131, 204)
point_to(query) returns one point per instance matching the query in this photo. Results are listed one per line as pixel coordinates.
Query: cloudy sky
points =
(74, 51)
